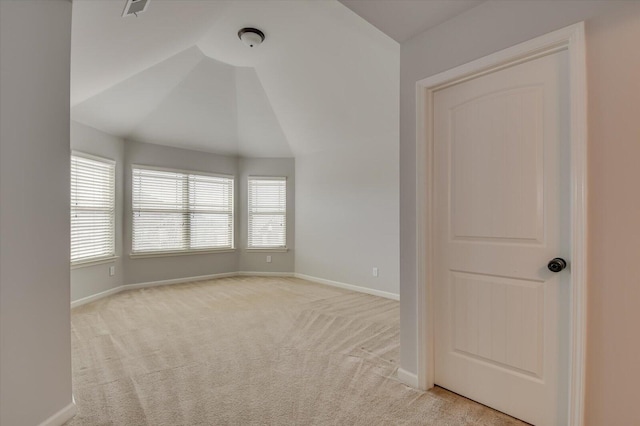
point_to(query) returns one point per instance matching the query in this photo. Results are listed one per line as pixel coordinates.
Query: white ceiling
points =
(107, 48)
(190, 101)
(403, 19)
(178, 75)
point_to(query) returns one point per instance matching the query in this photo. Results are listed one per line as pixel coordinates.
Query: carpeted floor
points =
(250, 351)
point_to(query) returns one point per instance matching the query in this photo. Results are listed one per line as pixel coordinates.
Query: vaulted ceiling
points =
(178, 75)
(190, 100)
(403, 19)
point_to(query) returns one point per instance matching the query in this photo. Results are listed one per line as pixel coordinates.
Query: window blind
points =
(267, 212)
(93, 203)
(177, 211)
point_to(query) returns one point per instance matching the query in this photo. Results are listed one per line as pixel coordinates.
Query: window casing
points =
(267, 213)
(180, 212)
(93, 202)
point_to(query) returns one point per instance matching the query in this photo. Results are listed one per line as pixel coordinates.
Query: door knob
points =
(557, 264)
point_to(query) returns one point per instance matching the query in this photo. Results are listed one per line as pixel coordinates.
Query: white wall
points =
(35, 341)
(256, 261)
(93, 279)
(490, 27)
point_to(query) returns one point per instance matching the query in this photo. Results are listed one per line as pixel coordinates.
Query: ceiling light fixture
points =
(251, 36)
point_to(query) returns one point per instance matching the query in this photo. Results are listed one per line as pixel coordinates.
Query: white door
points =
(501, 197)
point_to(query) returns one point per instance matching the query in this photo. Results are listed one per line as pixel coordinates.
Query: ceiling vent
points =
(133, 7)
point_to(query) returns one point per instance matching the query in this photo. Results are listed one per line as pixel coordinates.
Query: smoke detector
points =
(251, 36)
(133, 7)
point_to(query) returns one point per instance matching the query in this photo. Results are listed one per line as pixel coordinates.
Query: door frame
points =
(572, 40)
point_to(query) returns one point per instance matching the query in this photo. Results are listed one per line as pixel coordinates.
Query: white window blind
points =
(177, 211)
(267, 212)
(93, 206)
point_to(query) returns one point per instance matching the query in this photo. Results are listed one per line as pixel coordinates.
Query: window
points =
(267, 212)
(175, 211)
(93, 202)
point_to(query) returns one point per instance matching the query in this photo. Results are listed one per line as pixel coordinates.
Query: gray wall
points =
(485, 29)
(35, 340)
(140, 270)
(87, 280)
(93, 279)
(346, 145)
(347, 212)
(251, 261)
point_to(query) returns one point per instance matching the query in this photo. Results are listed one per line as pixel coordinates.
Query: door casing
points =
(571, 39)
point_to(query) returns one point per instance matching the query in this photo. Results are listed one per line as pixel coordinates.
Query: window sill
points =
(178, 253)
(267, 249)
(91, 262)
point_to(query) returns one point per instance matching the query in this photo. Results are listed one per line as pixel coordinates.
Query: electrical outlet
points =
(268, 259)
(112, 271)
(375, 271)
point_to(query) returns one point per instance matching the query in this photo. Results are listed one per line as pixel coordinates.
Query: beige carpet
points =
(250, 351)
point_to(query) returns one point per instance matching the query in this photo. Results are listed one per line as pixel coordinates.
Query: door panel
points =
(499, 320)
(500, 199)
(495, 135)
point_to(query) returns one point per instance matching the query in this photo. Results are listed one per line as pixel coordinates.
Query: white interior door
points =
(501, 181)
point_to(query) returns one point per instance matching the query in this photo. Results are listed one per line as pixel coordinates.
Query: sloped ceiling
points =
(178, 75)
(190, 101)
(107, 48)
(120, 108)
(187, 100)
(403, 19)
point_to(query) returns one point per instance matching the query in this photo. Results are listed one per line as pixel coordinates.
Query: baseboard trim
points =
(136, 286)
(264, 274)
(62, 416)
(94, 297)
(408, 378)
(177, 281)
(351, 287)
